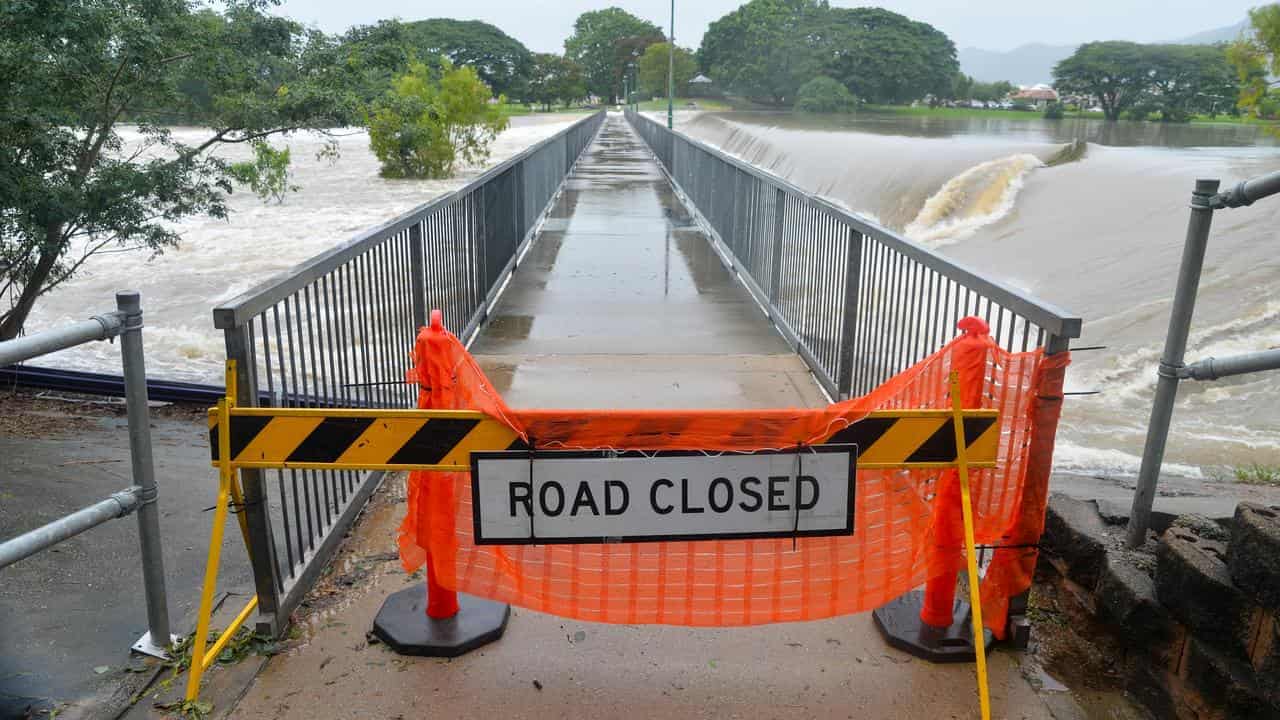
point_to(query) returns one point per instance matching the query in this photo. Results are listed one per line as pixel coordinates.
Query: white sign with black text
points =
(592, 497)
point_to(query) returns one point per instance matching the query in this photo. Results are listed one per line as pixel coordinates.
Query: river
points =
(220, 259)
(1100, 235)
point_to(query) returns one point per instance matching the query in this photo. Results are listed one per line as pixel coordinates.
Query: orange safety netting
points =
(899, 540)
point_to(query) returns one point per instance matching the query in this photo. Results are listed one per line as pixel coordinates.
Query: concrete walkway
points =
(620, 304)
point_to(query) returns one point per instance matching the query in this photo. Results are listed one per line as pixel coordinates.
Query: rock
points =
(1126, 598)
(1253, 556)
(1227, 684)
(1192, 582)
(1203, 527)
(1074, 532)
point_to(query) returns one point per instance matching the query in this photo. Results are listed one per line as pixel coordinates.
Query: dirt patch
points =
(46, 413)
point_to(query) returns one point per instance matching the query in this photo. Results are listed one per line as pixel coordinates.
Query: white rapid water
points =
(973, 199)
(1100, 236)
(218, 260)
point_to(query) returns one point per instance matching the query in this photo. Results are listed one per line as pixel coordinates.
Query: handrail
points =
(236, 311)
(1051, 318)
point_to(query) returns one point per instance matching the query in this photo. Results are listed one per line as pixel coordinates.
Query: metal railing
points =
(338, 330)
(140, 498)
(1205, 200)
(857, 301)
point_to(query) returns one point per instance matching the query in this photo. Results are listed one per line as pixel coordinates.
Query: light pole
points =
(671, 69)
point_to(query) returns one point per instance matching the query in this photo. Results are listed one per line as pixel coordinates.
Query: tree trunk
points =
(14, 321)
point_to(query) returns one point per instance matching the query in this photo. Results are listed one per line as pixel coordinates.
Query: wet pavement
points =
(619, 304)
(622, 302)
(68, 615)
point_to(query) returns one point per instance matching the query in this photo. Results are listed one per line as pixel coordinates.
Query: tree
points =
(598, 36)
(431, 118)
(1256, 58)
(70, 72)
(554, 78)
(992, 91)
(766, 49)
(824, 95)
(1188, 79)
(500, 60)
(884, 57)
(653, 68)
(1114, 72)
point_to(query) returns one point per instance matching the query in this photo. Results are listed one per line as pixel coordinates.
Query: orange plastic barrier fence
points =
(899, 541)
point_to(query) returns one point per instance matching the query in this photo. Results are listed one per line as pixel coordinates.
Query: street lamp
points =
(671, 69)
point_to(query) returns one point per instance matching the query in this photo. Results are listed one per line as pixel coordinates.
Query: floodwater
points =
(1100, 235)
(220, 259)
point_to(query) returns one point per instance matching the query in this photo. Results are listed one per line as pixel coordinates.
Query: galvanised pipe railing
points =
(857, 301)
(338, 330)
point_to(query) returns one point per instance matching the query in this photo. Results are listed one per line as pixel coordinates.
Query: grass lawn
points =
(514, 109)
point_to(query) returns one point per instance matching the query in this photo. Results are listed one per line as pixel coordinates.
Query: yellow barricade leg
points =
(228, 489)
(971, 554)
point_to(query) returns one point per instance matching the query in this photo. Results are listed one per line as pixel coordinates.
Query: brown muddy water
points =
(1101, 236)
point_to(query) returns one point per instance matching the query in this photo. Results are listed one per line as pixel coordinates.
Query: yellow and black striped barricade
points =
(444, 440)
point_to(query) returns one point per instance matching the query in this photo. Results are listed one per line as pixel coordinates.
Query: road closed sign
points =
(592, 497)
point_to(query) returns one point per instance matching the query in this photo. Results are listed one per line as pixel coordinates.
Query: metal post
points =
(144, 474)
(262, 554)
(671, 70)
(418, 278)
(1175, 347)
(853, 276)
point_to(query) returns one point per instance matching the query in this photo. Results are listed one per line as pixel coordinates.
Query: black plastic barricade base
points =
(899, 622)
(402, 623)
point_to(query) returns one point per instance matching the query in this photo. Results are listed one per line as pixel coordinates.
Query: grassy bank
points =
(516, 109)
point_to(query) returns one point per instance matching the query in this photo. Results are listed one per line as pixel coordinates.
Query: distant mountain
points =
(1023, 65)
(1209, 37)
(1033, 63)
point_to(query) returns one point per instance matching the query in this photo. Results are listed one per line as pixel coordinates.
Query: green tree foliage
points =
(992, 91)
(71, 186)
(554, 79)
(1112, 72)
(268, 174)
(653, 69)
(965, 87)
(884, 57)
(500, 60)
(1172, 80)
(767, 49)
(1189, 79)
(604, 42)
(431, 118)
(1256, 58)
(824, 95)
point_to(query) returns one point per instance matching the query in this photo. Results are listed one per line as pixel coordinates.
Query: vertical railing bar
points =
(312, 521)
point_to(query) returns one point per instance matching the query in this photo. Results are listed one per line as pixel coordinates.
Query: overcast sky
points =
(542, 25)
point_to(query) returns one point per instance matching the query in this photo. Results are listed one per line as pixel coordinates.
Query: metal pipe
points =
(1247, 192)
(1175, 348)
(99, 327)
(671, 71)
(1214, 368)
(129, 308)
(68, 526)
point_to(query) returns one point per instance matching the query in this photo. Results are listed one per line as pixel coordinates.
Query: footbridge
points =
(617, 266)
